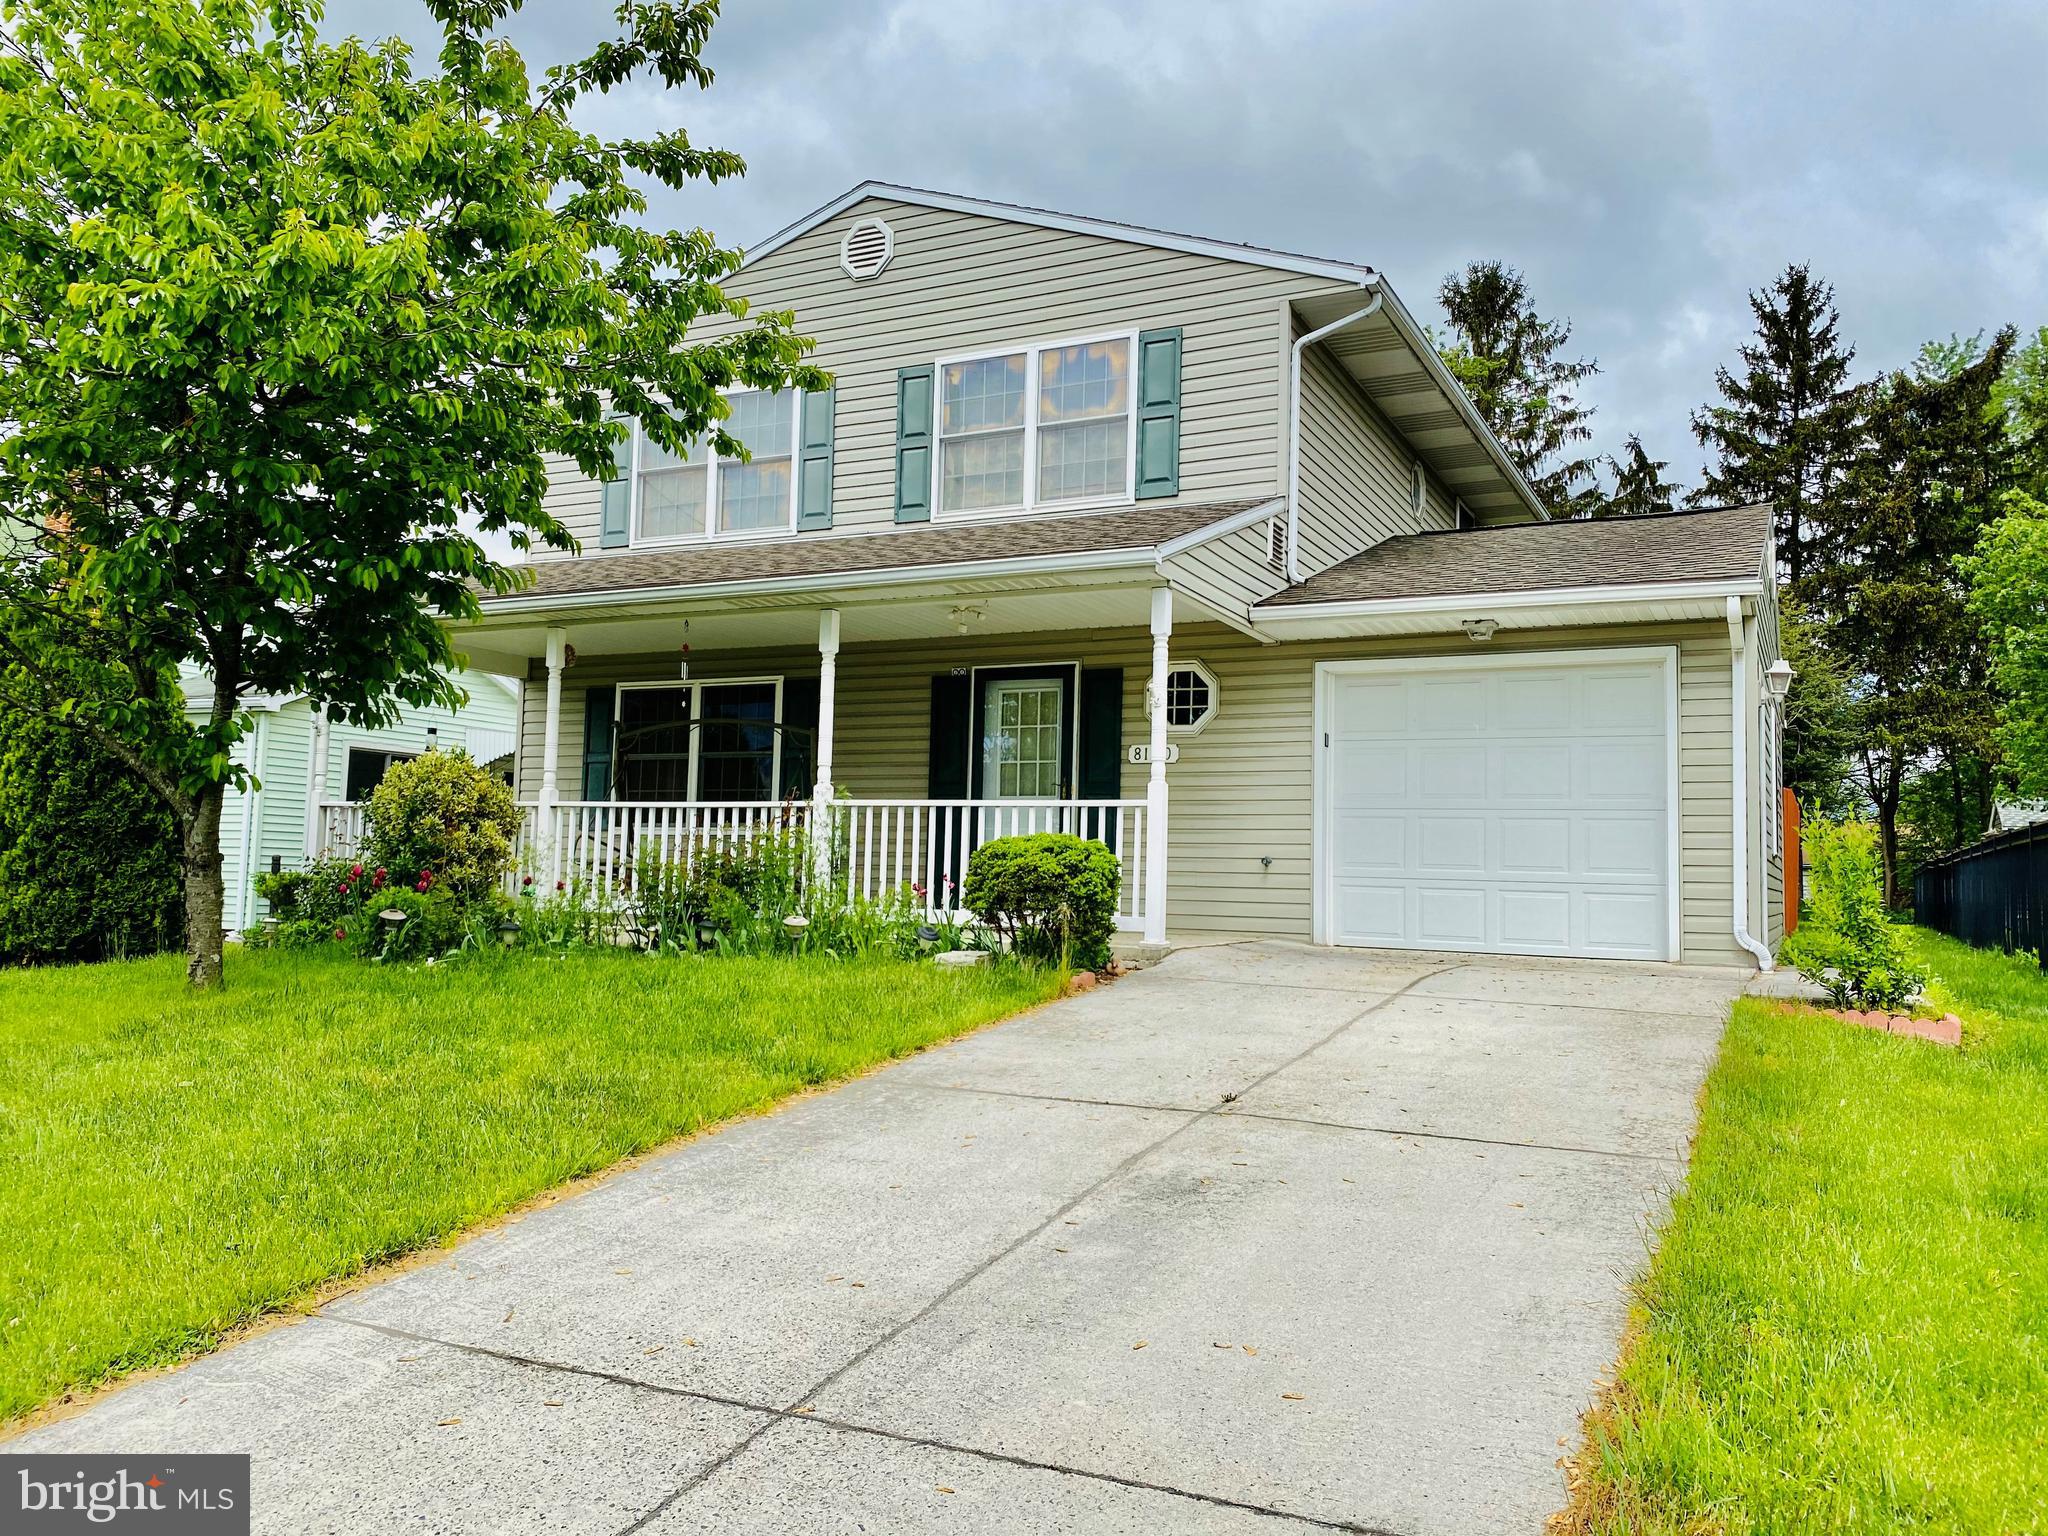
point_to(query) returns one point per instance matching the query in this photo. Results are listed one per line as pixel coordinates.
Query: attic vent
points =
(1276, 544)
(866, 249)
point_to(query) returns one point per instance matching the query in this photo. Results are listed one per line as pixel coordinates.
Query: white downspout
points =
(1294, 431)
(1738, 680)
(252, 808)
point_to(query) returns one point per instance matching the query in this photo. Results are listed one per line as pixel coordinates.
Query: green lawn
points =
(1846, 1325)
(172, 1166)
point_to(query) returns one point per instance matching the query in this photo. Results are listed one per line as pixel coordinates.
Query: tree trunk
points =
(205, 895)
(1888, 844)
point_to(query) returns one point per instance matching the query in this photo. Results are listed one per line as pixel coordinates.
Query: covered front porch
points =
(680, 726)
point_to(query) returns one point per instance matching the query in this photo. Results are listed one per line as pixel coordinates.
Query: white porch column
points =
(1155, 789)
(316, 815)
(551, 745)
(821, 792)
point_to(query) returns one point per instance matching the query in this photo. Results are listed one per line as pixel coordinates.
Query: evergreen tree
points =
(1639, 484)
(1785, 429)
(1507, 358)
(1931, 475)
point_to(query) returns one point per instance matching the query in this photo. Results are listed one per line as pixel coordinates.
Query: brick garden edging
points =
(1946, 1030)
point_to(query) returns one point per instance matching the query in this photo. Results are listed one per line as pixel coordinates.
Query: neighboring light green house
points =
(312, 772)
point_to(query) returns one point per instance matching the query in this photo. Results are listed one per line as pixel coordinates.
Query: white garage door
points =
(1519, 805)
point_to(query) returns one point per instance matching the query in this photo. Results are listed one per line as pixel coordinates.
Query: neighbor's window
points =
(675, 494)
(366, 769)
(1040, 426)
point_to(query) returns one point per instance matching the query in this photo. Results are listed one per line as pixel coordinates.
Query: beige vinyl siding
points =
(1355, 471)
(962, 282)
(1233, 572)
(1242, 789)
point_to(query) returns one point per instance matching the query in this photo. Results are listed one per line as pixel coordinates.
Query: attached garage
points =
(1519, 803)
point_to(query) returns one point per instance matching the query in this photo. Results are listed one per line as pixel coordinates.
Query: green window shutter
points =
(1102, 749)
(1102, 733)
(616, 528)
(1159, 412)
(952, 709)
(914, 444)
(814, 455)
(597, 743)
(799, 736)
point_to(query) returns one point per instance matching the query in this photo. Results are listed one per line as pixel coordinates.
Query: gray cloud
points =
(1645, 163)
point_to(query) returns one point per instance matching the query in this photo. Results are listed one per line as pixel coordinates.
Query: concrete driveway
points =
(1268, 1237)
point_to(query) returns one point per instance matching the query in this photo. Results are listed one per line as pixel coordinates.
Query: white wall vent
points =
(1276, 544)
(866, 249)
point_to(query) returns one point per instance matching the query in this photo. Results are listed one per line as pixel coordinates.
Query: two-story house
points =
(1190, 546)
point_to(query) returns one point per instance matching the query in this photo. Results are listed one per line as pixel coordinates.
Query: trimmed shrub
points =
(442, 818)
(90, 862)
(1844, 941)
(1050, 895)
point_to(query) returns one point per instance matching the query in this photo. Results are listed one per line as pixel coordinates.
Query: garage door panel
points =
(1368, 844)
(1536, 919)
(1535, 845)
(1450, 845)
(1372, 913)
(1451, 915)
(1518, 808)
(1528, 771)
(1625, 771)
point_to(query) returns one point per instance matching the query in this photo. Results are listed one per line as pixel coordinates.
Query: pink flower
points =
(344, 887)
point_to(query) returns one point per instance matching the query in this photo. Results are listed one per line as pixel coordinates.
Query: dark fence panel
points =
(1993, 895)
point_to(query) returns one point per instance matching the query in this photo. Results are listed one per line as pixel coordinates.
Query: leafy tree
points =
(1639, 484)
(1507, 358)
(2022, 399)
(281, 320)
(2008, 576)
(1786, 428)
(1935, 465)
(1819, 725)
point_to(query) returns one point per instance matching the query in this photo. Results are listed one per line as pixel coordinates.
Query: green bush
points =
(1844, 941)
(440, 820)
(1050, 895)
(90, 864)
(310, 902)
(433, 923)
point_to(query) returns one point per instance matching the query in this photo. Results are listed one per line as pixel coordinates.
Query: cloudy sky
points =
(1644, 163)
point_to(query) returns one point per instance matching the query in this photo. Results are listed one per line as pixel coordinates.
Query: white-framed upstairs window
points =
(1044, 425)
(697, 496)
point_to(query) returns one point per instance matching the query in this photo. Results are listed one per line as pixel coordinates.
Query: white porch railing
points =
(877, 846)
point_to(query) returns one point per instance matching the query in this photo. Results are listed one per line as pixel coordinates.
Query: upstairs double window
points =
(698, 495)
(1039, 426)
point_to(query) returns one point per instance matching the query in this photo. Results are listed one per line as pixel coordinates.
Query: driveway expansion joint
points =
(795, 1415)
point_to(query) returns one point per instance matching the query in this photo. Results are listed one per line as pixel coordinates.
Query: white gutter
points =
(1479, 604)
(1738, 681)
(1294, 425)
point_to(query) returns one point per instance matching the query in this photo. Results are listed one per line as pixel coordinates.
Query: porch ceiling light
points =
(965, 614)
(1778, 677)
(1478, 630)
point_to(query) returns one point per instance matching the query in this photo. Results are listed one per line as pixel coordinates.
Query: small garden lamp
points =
(391, 918)
(508, 930)
(707, 933)
(794, 925)
(1778, 678)
(927, 935)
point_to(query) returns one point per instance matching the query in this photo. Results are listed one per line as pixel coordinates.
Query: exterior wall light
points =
(1778, 677)
(1479, 630)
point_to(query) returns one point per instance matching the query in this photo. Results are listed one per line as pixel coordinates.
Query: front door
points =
(1026, 748)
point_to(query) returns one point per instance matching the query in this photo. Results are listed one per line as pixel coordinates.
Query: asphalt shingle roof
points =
(1725, 543)
(927, 544)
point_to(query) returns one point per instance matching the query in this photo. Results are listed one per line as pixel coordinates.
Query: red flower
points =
(561, 885)
(526, 879)
(344, 887)
(355, 871)
(377, 880)
(421, 887)
(340, 933)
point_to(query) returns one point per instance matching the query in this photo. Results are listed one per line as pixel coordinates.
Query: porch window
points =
(697, 495)
(1036, 426)
(716, 741)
